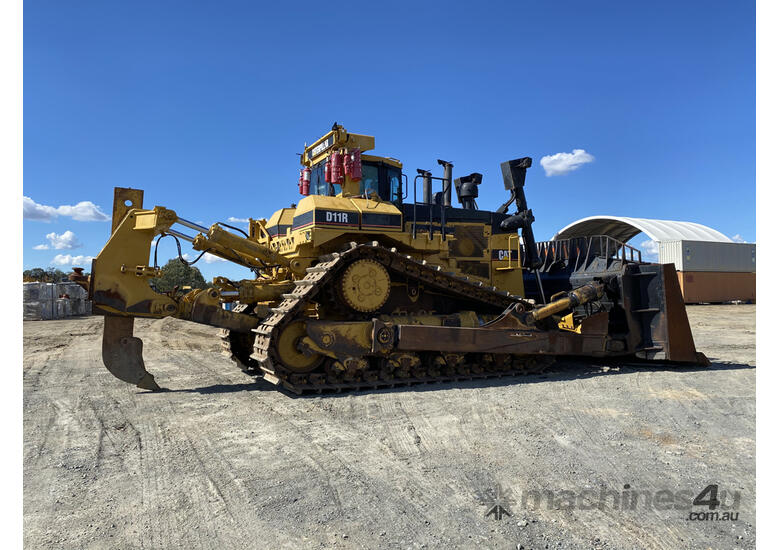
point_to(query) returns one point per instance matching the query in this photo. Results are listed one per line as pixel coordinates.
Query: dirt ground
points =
(586, 456)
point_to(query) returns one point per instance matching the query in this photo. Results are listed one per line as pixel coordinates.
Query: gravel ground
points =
(223, 462)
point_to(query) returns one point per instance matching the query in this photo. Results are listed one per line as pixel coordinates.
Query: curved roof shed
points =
(624, 229)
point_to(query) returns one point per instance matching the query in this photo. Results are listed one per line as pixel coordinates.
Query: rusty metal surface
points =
(123, 353)
(340, 338)
(122, 195)
(592, 341)
(678, 331)
(77, 276)
(109, 298)
(207, 310)
(714, 287)
(658, 328)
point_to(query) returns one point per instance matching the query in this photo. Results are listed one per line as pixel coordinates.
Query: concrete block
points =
(38, 292)
(79, 306)
(31, 292)
(64, 308)
(48, 291)
(72, 290)
(37, 311)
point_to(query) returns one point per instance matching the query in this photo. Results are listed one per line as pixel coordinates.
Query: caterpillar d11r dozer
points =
(356, 287)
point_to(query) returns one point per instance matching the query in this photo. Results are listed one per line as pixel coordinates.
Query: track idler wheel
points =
(287, 349)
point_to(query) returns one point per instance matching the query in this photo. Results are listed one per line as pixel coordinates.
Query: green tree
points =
(51, 275)
(34, 274)
(55, 275)
(176, 273)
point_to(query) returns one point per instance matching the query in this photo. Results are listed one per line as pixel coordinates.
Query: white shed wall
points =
(708, 256)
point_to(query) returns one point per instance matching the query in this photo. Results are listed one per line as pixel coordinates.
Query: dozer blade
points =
(656, 311)
(123, 353)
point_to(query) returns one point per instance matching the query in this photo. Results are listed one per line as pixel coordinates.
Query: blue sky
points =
(204, 105)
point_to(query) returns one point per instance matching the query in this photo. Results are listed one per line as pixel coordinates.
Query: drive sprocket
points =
(365, 285)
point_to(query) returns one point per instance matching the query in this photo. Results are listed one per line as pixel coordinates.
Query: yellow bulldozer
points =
(360, 285)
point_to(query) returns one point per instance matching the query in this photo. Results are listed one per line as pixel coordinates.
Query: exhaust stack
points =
(446, 184)
(427, 193)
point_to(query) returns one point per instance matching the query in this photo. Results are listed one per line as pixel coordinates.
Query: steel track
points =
(433, 277)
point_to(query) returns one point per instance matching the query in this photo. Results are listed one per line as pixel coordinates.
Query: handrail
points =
(442, 220)
(587, 247)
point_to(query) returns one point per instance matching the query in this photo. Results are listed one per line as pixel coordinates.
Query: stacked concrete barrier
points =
(38, 311)
(43, 301)
(38, 301)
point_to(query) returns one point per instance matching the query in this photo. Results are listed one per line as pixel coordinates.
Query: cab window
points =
(318, 185)
(394, 180)
(378, 178)
(370, 182)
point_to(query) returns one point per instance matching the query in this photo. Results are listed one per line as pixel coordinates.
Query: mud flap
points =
(123, 353)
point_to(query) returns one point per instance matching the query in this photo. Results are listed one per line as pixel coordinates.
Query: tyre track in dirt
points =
(220, 461)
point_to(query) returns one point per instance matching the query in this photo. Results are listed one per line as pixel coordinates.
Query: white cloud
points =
(85, 211)
(34, 211)
(207, 257)
(72, 261)
(563, 163)
(649, 246)
(66, 241)
(738, 238)
(211, 258)
(649, 250)
(238, 220)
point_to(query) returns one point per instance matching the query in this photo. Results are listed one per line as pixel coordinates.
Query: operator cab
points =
(381, 175)
(337, 164)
